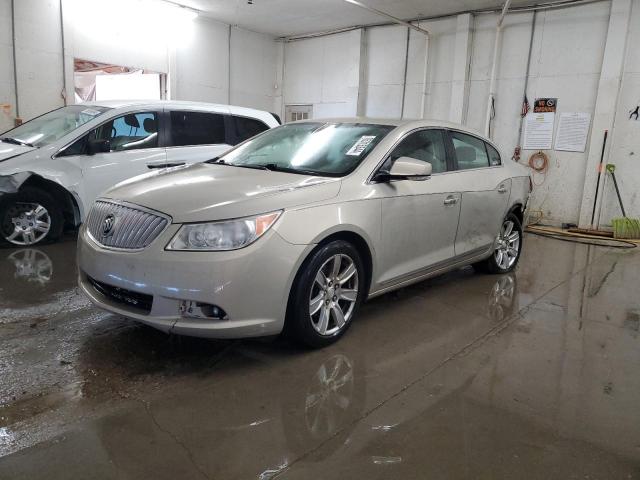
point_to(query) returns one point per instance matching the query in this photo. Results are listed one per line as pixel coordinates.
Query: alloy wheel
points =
(333, 294)
(507, 245)
(26, 223)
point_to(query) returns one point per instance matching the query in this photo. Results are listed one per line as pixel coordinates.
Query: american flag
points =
(525, 107)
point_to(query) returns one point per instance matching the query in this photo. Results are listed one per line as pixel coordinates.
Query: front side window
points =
(132, 131)
(470, 151)
(326, 149)
(52, 126)
(196, 128)
(425, 145)
(247, 128)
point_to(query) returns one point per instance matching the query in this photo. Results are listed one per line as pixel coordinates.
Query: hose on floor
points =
(582, 239)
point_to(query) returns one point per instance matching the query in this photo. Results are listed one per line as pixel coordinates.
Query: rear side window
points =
(196, 128)
(470, 151)
(494, 156)
(247, 128)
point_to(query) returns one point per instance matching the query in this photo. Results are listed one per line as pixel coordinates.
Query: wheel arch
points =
(518, 210)
(69, 203)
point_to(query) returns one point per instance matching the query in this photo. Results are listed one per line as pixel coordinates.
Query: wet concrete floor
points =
(529, 375)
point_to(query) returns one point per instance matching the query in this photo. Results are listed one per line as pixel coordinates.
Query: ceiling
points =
(294, 17)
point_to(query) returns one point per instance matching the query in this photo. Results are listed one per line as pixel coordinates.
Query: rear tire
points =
(507, 250)
(326, 295)
(29, 217)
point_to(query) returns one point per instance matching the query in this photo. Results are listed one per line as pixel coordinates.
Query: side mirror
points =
(407, 168)
(98, 146)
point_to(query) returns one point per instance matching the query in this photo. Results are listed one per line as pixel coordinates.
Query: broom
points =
(624, 227)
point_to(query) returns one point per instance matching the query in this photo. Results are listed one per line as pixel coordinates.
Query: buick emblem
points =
(107, 225)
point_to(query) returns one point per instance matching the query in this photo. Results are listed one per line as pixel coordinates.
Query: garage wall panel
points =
(201, 72)
(6, 66)
(324, 72)
(254, 60)
(386, 47)
(39, 52)
(625, 138)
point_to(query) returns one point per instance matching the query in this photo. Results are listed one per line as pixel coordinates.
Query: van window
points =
(132, 131)
(196, 128)
(247, 128)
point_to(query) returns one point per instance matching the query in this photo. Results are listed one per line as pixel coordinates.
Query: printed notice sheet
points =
(573, 130)
(538, 131)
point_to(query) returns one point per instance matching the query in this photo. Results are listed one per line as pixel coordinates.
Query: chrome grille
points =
(116, 225)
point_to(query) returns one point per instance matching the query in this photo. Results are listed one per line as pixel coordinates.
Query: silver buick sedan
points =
(293, 229)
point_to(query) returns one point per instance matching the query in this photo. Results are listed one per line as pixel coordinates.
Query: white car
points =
(53, 167)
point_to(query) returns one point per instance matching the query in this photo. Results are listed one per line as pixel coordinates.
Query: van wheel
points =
(326, 294)
(508, 246)
(29, 217)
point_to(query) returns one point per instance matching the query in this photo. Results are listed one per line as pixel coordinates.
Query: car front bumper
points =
(251, 284)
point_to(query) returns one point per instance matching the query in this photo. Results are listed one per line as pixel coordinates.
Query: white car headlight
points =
(225, 235)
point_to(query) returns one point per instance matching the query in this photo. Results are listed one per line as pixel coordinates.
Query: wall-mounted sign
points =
(573, 130)
(538, 131)
(545, 105)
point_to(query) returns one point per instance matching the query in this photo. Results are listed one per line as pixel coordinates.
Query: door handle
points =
(164, 165)
(502, 189)
(450, 201)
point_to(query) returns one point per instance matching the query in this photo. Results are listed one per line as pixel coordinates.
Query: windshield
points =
(325, 149)
(52, 126)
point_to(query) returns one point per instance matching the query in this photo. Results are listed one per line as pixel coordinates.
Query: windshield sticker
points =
(90, 111)
(360, 145)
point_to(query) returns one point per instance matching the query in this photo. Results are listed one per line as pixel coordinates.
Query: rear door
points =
(419, 218)
(484, 189)
(196, 136)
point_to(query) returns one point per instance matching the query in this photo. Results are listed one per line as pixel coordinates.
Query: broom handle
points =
(595, 199)
(615, 183)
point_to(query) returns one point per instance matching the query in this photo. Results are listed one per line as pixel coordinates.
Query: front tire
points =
(507, 250)
(326, 294)
(29, 217)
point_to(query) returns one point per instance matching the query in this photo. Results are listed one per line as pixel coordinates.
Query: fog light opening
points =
(207, 311)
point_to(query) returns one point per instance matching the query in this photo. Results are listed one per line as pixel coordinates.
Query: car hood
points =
(207, 192)
(8, 150)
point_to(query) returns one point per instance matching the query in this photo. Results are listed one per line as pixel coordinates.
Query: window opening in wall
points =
(294, 113)
(94, 81)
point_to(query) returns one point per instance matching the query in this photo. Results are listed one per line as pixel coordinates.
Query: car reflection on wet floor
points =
(527, 375)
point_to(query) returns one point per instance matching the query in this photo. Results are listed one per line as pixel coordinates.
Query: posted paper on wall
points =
(573, 130)
(538, 131)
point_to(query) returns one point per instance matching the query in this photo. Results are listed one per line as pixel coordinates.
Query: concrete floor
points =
(528, 375)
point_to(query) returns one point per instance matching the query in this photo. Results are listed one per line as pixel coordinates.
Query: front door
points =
(133, 147)
(419, 218)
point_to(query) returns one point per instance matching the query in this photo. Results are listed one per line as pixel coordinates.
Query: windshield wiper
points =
(274, 167)
(15, 141)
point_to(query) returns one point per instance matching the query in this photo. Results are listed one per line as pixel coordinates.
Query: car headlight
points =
(224, 235)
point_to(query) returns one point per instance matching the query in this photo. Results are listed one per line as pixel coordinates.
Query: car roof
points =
(406, 123)
(162, 103)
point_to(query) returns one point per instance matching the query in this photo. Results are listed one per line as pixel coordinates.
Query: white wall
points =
(6, 65)
(196, 57)
(324, 72)
(566, 62)
(625, 141)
